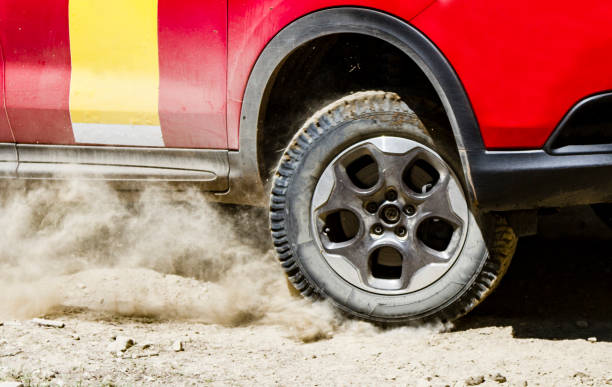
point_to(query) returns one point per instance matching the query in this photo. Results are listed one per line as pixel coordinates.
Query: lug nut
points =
(391, 195)
(401, 231)
(409, 210)
(377, 229)
(371, 207)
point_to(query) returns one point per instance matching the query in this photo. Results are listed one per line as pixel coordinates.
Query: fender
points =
(248, 183)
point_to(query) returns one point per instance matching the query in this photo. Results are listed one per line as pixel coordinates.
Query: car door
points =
(143, 73)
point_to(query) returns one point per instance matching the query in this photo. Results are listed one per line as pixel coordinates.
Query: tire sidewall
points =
(326, 282)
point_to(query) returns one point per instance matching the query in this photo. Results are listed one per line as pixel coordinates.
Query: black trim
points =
(512, 180)
(554, 145)
(581, 149)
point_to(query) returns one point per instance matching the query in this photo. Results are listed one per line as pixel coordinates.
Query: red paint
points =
(193, 68)
(6, 134)
(523, 63)
(252, 24)
(34, 35)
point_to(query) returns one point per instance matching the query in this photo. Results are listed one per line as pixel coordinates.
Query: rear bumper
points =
(515, 180)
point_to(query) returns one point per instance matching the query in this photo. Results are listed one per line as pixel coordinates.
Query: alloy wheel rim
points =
(389, 215)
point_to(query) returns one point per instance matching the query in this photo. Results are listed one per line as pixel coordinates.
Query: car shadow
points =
(555, 289)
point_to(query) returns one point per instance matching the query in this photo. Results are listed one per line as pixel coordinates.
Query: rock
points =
(1, 323)
(146, 345)
(592, 339)
(474, 380)
(499, 378)
(12, 353)
(75, 337)
(81, 286)
(582, 324)
(177, 346)
(149, 354)
(48, 323)
(49, 374)
(584, 378)
(11, 384)
(580, 374)
(124, 343)
(121, 344)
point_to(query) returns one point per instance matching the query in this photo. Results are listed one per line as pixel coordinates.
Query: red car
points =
(402, 146)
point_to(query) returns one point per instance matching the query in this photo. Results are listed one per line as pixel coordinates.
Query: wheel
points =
(368, 211)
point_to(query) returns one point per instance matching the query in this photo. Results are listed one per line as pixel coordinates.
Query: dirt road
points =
(155, 322)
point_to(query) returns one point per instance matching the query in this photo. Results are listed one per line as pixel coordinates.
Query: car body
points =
(211, 93)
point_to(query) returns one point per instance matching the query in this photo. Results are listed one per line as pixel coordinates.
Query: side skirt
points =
(8, 160)
(208, 168)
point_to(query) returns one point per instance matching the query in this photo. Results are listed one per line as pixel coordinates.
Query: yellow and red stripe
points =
(120, 72)
(114, 85)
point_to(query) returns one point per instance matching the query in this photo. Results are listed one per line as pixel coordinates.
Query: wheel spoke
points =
(415, 256)
(392, 165)
(354, 250)
(342, 197)
(345, 195)
(436, 203)
(342, 176)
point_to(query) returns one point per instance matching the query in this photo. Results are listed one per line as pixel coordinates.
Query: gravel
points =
(525, 334)
(474, 380)
(177, 346)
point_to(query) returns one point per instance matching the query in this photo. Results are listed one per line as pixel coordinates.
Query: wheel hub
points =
(390, 214)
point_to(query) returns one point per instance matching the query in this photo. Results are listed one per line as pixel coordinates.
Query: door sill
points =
(208, 167)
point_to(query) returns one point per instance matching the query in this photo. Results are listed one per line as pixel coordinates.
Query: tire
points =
(395, 241)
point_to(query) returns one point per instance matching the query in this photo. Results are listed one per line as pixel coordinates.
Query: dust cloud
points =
(159, 253)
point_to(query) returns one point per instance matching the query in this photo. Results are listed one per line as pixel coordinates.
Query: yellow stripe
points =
(115, 66)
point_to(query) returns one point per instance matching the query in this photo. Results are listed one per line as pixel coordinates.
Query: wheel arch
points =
(248, 176)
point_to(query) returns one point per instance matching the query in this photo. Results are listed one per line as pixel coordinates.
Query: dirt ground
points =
(549, 323)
